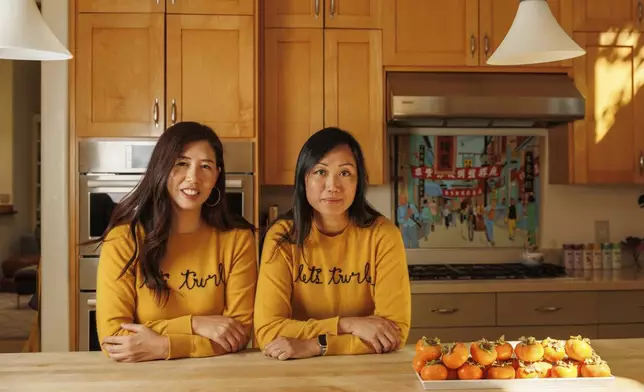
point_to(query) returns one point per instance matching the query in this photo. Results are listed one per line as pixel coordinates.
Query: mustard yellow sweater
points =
(208, 272)
(360, 272)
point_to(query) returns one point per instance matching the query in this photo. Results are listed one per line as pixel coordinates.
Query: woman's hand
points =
(284, 348)
(382, 334)
(143, 345)
(225, 331)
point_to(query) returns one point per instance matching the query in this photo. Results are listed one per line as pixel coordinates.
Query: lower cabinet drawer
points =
(452, 310)
(557, 308)
(621, 307)
(621, 331)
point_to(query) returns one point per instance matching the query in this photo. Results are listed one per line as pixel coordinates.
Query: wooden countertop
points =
(251, 371)
(609, 280)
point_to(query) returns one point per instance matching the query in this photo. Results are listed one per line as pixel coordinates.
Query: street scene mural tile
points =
(468, 191)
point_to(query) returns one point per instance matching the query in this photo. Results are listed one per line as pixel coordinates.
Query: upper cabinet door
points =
(214, 7)
(431, 32)
(293, 98)
(210, 74)
(131, 6)
(608, 15)
(353, 14)
(119, 75)
(353, 91)
(496, 17)
(294, 13)
(609, 143)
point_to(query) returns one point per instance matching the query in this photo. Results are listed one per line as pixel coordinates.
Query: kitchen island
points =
(251, 371)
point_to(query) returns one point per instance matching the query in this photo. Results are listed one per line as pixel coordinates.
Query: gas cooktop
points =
(484, 271)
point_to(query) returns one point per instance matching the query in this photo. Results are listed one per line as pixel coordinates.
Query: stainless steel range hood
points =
(481, 100)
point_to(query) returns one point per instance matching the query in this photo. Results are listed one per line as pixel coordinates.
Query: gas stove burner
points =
(484, 271)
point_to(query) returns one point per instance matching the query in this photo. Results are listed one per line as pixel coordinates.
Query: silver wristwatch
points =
(322, 343)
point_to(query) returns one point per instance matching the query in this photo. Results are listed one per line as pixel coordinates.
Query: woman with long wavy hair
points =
(177, 271)
(333, 275)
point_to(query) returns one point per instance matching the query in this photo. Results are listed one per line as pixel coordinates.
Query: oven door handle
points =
(91, 303)
(112, 184)
(234, 184)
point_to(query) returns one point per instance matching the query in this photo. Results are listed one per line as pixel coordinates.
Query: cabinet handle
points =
(173, 2)
(155, 112)
(173, 112)
(445, 311)
(486, 41)
(332, 8)
(548, 309)
(640, 11)
(472, 44)
(158, 2)
(317, 9)
(91, 302)
(641, 163)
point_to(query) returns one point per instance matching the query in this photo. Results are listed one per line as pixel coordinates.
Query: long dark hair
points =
(361, 213)
(150, 205)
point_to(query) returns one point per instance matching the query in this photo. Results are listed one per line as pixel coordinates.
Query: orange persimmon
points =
(565, 369)
(501, 370)
(434, 370)
(578, 348)
(483, 352)
(553, 350)
(455, 355)
(470, 371)
(595, 367)
(503, 349)
(529, 349)
(429, 349)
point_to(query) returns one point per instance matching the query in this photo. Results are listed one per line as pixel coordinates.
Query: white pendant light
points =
(535, 37)
(24, 35)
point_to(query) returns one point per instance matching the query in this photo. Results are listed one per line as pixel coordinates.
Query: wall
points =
(26, 103)
(6, 143)
(19, 101)
(54, 317)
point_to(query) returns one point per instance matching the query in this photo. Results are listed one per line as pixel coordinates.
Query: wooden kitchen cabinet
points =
(354, 14)
(608, 144)
(120, 70)
(316, 78)
(453, 33)
(123, 87)
(214, 7)
(552, 308)
(293, 98)
(614, 15)
(202, 84)
(129, 6)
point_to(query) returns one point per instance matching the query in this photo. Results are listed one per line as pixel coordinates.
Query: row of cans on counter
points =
(592, 256)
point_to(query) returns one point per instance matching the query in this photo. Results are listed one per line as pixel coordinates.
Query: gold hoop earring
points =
(218, 199)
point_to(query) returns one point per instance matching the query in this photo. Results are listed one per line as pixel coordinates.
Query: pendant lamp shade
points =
(535, 37)
(24, 35)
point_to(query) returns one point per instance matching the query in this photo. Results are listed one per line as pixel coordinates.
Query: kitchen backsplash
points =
(568, 215)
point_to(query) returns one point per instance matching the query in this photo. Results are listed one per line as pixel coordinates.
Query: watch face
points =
(322, 340)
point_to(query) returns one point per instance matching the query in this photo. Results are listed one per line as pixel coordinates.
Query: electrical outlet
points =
(602, 231)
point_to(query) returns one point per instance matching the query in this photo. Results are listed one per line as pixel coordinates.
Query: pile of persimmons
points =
(529, 358)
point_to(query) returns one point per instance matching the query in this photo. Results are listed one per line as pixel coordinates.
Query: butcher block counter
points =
(251, 371)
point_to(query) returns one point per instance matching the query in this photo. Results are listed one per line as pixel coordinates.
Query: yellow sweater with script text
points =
(360, 272)
(209, 272)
